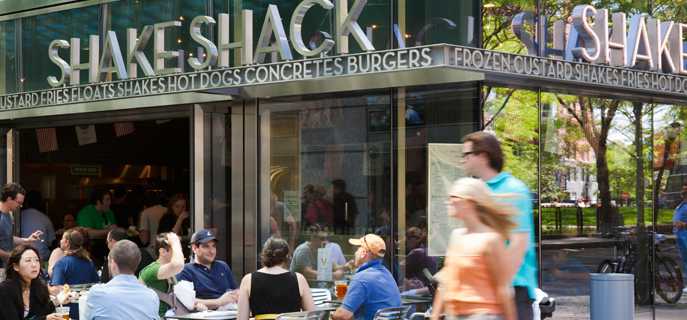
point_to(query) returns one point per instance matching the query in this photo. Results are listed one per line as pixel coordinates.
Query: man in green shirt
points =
(97, 217)
(169, 263)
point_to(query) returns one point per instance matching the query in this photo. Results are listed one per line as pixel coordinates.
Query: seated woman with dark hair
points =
(75, 267)
(22, 294)
(273, 289)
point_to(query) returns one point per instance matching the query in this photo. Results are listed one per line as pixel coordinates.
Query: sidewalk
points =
(577, 307)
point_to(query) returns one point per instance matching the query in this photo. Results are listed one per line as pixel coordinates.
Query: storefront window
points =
(669, 188)
(326, 161)
(8, 57)
(432, 122)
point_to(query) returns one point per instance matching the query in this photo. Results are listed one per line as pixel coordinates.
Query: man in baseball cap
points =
(372, 287)
(212, 279)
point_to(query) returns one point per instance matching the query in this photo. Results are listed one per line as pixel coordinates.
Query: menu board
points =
(444, 169)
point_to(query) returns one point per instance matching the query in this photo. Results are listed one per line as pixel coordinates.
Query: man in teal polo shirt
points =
(483, 158)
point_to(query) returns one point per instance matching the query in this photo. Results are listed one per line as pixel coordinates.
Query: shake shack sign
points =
(595, 37)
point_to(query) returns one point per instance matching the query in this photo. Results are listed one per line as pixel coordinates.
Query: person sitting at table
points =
(305, 256)
(75, 267)
(212, 279)
(123, 297)
(372, 287)
(169, 263)
(273, 289)
(23, 295)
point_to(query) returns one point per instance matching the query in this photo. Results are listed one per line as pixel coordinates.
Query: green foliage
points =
(569, 217)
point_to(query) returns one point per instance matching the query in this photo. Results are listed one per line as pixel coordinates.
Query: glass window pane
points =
(39, 31)
(325, 161)
(8, 57)
(434, 121)
(453, 22)
(137, 14)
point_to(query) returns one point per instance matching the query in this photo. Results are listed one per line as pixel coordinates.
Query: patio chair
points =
(304, 315)
(320, 296)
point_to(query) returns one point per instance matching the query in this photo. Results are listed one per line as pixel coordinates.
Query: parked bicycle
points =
(667, 276)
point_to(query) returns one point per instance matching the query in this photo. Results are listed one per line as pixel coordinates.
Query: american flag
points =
(124, 128)
(47, 139)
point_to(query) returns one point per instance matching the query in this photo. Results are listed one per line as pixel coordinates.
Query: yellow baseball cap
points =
(371, 242)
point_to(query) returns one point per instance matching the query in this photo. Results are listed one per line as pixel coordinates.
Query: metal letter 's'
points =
(585, 33)
(272, 25)
(54, 55)
(210, 48)
(296, 28)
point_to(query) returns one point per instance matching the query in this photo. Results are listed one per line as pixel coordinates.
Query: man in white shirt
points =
(123, 297)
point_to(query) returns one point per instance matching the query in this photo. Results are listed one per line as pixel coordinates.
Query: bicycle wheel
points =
(607, 266)
(668, 280)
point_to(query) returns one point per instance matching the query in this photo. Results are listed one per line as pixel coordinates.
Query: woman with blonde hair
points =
(472, 284)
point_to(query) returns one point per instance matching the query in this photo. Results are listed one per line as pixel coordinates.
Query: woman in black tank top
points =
(273, 289)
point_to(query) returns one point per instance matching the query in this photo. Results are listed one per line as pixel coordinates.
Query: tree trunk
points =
(607, 213)
(639, 178)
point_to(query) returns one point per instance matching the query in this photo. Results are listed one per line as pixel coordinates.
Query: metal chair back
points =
(320, 296)
(393, 313)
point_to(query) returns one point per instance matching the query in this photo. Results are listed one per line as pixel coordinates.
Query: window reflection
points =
(329, 163)
(8, 58)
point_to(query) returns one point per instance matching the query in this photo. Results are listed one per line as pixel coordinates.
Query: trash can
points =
(612, 296)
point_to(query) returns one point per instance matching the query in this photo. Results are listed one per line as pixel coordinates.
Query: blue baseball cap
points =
(202, 236)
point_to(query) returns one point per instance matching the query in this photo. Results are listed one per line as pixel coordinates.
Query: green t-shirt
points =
(90, 217)
(149, 277)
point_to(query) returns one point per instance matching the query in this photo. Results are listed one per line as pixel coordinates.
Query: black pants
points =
(523, 304)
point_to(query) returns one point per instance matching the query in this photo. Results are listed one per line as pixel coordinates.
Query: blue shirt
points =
(372, 288)
(209, 283)
(505, 183)
(124, 297)
(6, 236)
(73, 270)
(680, 215)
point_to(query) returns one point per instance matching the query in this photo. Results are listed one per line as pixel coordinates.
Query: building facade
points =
(272, 116)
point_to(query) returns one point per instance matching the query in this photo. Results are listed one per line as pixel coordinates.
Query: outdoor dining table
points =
(207, 315)
(224, 315)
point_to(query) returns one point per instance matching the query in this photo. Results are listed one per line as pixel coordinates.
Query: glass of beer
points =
(62, 312)
(341, 288)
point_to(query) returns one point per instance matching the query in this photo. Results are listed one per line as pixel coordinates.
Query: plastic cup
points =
(62, 312)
